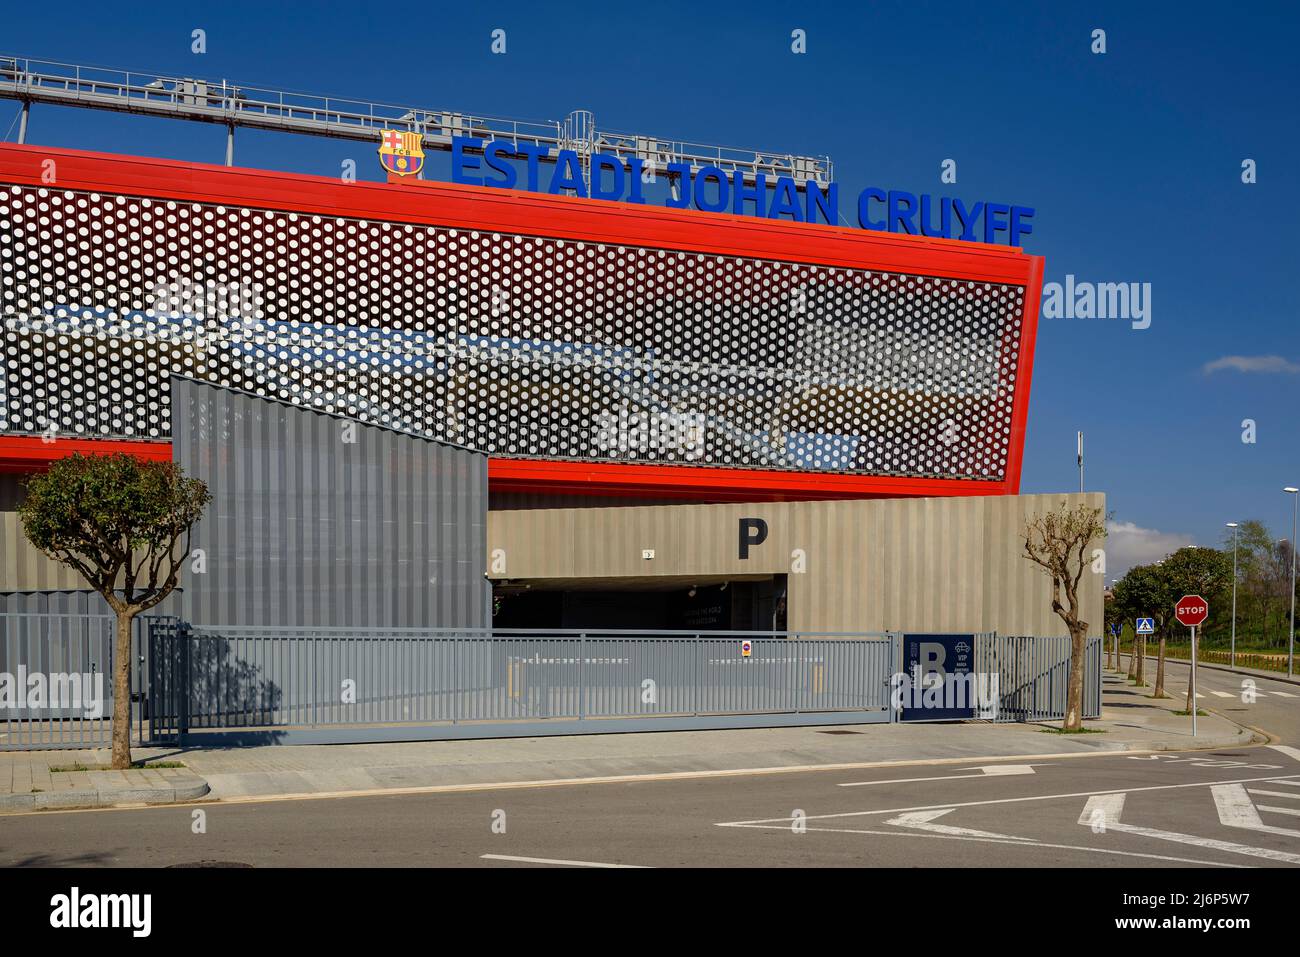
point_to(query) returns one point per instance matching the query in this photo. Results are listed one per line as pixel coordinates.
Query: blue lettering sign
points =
(712, 190)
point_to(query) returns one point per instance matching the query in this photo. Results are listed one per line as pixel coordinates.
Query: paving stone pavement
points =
(1131, 721)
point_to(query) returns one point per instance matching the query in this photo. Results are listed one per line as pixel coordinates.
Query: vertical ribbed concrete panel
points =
(322, 521)
(936, 564)
(23, 568)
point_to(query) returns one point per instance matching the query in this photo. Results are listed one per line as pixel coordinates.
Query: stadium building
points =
(593, 413)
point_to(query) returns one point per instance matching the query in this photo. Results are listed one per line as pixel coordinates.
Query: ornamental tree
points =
(1060, 542)
(124, 524)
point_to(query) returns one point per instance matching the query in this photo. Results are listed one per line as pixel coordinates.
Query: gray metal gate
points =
(58, 672)
(292, 685)
(287, 685)
(1033, 674)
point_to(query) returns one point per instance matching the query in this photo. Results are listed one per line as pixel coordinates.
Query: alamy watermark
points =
(944, 691)
(221, 300)
(1130, 301)
(70, 691)
(629, 432)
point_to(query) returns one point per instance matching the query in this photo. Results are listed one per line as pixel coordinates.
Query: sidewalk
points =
(1131, 721)
(28, 783)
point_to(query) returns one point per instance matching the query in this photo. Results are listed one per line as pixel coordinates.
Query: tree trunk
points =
(1132, 658)
(122, 693)
(1160, 671)
(1074, 686)
(1141, 649)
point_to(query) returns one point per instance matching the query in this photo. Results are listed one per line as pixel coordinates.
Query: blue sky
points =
(1132, 160)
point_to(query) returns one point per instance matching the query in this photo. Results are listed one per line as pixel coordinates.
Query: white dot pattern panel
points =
(519, 346)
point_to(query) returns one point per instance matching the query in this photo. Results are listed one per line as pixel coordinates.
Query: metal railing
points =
(239, 105)
(1033, 675)
(58, 669)
(242, 677)
(192, 680)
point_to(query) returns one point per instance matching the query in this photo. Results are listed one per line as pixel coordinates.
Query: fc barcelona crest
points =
(401, 153)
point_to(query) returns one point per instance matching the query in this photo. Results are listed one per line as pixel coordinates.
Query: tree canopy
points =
(118, 521)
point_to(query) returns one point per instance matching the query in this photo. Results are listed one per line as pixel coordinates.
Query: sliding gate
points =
(318, 685)
(1033, 674)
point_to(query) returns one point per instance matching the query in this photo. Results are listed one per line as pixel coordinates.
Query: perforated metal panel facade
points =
(523, 346)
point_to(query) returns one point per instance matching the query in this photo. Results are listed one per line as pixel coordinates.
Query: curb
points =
(1200, 744)
(101, 797)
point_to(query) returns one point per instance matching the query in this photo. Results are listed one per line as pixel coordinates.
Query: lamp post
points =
(1290, 653)
(1232, 656)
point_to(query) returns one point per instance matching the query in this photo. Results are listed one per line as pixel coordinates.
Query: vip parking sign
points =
(941, 665)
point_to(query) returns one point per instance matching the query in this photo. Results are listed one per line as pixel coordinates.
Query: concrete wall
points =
(932, 564)
(23, 568)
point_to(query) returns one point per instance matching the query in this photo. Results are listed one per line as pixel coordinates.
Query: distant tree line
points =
(1263, 591)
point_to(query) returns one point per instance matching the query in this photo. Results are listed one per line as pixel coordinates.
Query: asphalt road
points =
(1261, 703)
(1199, 809)
(1202, 809)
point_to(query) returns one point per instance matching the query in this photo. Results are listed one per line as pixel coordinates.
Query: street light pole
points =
(1290, 654)
(1232, 660)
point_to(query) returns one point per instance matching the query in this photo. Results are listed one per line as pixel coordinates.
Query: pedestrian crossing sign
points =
(1146, 626)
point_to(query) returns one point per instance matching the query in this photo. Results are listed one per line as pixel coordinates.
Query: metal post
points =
(695, 695)
(1290, 655)
(230, 144)
(22, 123)
(1232, 655)
(1080, 462)
(1192, 682)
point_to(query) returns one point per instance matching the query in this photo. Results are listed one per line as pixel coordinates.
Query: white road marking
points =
(1294, 784)
(1111, 806)
(921, 821)
(1282, 694)
(1234, 807)
(1237, 810)
(1280, 810)
(1273, 794)
(549, 860)
(989, 840)
(1222, 694)
(1286, 749)
(1103, 809)
(993, 770)
(1011, 800)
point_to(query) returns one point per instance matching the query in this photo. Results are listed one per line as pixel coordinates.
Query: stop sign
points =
(1192, 610)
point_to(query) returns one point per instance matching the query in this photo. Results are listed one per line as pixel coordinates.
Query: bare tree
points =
(1059, 542)
(119, 521)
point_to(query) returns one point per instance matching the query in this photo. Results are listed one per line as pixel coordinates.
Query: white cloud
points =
(1252, 364)
(1128, 544)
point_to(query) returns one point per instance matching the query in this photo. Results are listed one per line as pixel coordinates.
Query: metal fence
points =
(466, 683)
(56, 680)
(249, 685)
(1033, 675)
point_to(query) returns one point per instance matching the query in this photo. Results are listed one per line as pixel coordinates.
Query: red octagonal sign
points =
(1192, 610)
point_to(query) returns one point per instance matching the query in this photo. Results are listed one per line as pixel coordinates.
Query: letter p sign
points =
(753, 531)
